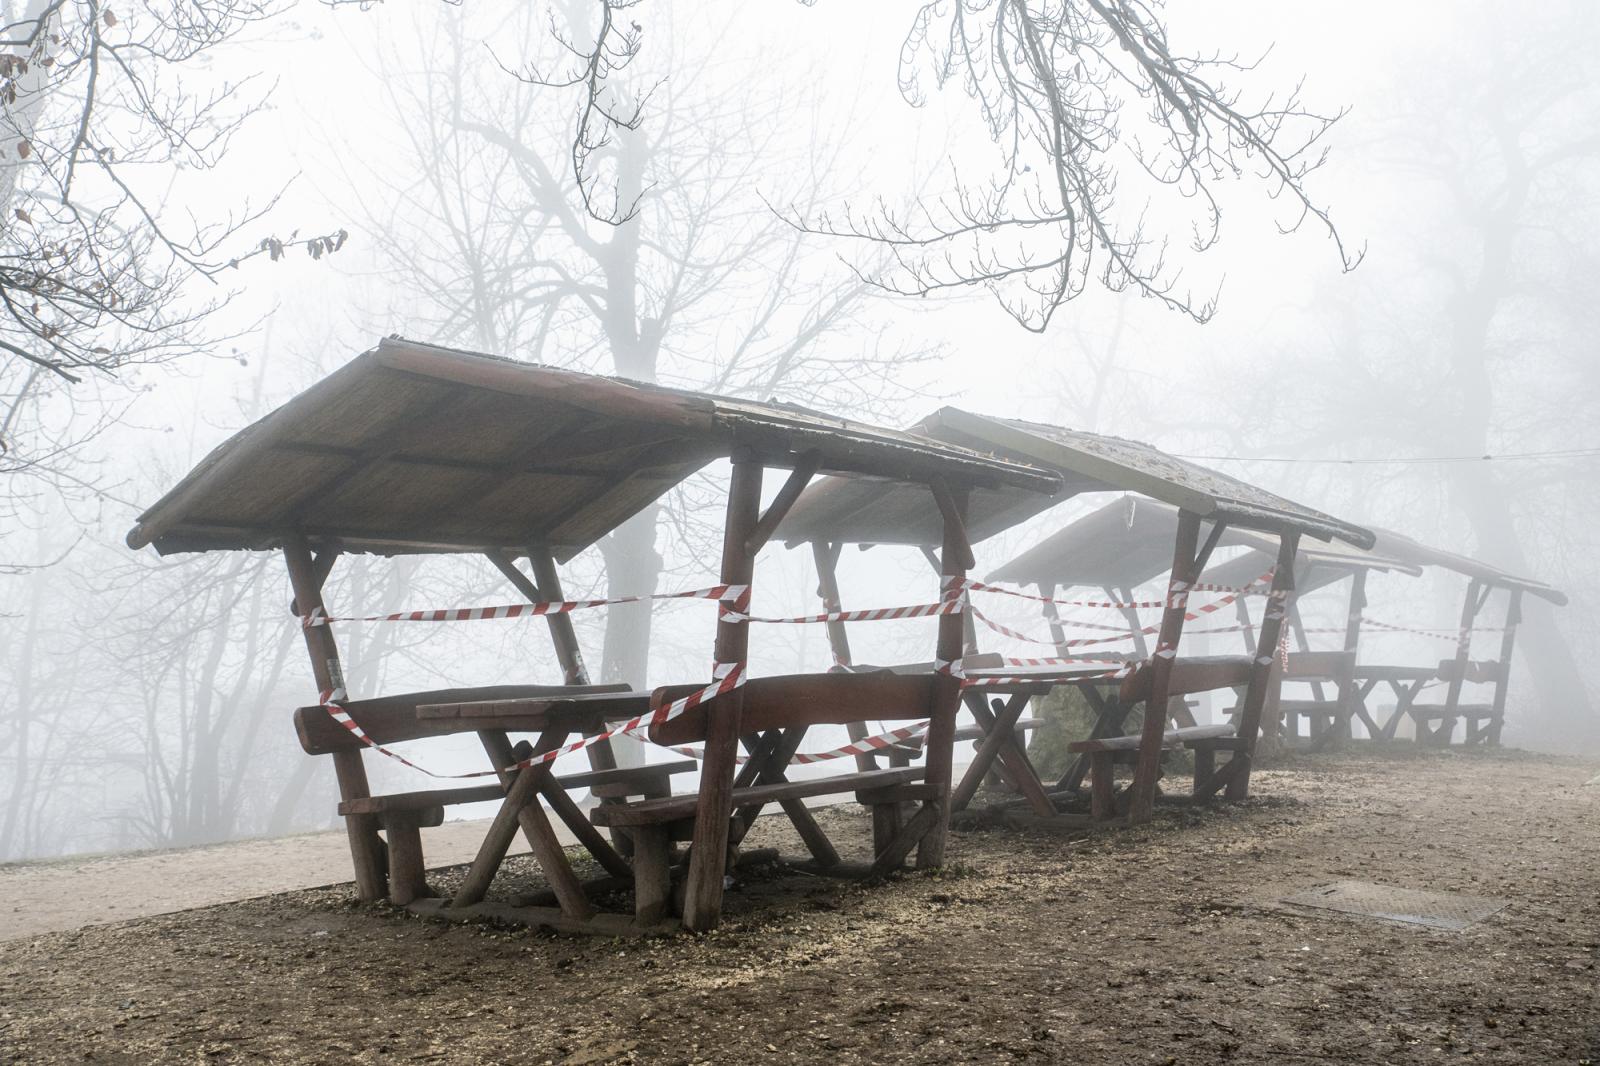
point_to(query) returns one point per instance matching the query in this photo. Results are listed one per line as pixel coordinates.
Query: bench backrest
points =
(390, 719)
(1320, 665)
(802, 699)
(1190, 675)
(1477, 670)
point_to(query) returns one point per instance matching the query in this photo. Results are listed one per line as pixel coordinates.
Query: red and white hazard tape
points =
(1260, 587)
(728, 676)
(738, 596)
(878, 614)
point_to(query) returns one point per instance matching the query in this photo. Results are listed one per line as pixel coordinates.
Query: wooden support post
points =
(1141, 647)
(702, 903)
(1052, 617)
(804, 470)
(1349, 697)
(1261, 670)
(946, 700)
(366, 850)
(1469, 613)
(546, 585)
(652, 880)
(826, 557)
(1508, 643)
(1142, 799)
(406, 873)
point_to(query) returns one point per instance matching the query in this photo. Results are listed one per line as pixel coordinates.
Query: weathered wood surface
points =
(392, 719)
(672, 808)
(793, 700)
(1172, 738)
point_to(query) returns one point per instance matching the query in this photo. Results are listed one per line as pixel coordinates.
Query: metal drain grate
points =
(1437, 910)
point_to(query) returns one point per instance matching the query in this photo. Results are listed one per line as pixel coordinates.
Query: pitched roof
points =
(1130, 540)
(415, 448)
(1087, 462)
(1403, 547)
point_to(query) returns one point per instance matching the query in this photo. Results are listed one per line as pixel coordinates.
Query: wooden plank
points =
(792, 700)
(391, 719)
(702, 906)
(1508, 643)
(1187, 676)
(672, 808)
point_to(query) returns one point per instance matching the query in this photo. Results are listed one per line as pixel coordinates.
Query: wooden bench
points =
(1435, 723)
(401, 815)
(1103, 752)
(1328, 721)
(776, 713)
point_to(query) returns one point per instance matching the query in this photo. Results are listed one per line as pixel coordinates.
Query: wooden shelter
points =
(411, 448)
(835, 512)
(1482, 721)
(1076, 556)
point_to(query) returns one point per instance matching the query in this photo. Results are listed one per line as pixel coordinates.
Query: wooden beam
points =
(945, 701)
(826, 557)
(1469, 613)
(321, 567)
(1204, 555)
(366, 850)
(702, 903)
(1508, 642)
(1261, 675)
(956, 541)
(1142, 797)
(768, 523)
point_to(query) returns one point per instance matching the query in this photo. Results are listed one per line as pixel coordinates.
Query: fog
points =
(145, 701)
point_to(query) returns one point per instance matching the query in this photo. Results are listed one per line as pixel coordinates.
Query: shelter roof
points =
(413, 448)
(1403, 547)
(1130, 540)
(1087, 462)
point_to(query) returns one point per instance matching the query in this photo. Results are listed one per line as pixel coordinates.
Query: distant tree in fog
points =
(1099, 121)
(99, 241)
(490, 239)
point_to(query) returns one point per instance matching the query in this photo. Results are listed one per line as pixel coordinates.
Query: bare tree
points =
(102, 151)
(692, 284)
(1054, 84)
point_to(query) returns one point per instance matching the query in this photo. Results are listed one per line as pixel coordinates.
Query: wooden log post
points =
(546, 585)
(1262, 670)
(955, 559)
(366, 849)
(826, 557)
(1142, 797)
(1508, 643)
(1477, 592)
(1349, 695)
(702, 902)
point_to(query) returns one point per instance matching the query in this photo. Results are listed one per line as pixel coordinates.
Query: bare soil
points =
(1160, 944)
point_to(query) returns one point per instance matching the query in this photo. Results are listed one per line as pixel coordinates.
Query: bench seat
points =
(676, 808)
(630, 780)
(1169, 740)
(973, 732)
(1433, 711)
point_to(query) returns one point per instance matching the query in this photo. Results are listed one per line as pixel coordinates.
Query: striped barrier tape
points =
(1260, 587)
(877, 614)
(737, 595)
(726, 678)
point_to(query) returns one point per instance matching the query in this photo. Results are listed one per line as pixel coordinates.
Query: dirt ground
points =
(1160, 944)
